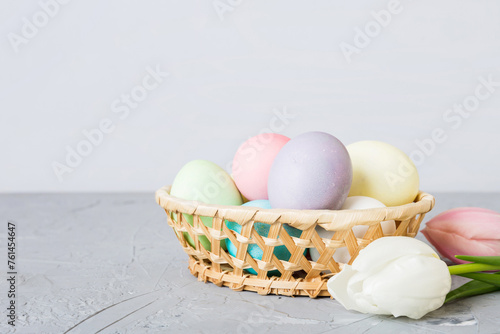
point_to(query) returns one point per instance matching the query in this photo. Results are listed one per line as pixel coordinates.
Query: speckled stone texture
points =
(109, 263)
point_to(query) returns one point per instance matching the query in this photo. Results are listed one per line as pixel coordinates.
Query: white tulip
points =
(401, 276)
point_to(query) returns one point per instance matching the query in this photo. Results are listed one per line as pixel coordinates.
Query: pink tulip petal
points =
(465, 231)
(470, 224)
(449, 245)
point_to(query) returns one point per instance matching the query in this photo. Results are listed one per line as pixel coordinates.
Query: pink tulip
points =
(465, 231)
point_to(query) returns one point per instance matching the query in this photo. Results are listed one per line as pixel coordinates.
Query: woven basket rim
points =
(301, 219)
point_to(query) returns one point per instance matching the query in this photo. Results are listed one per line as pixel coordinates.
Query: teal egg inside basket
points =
(281, 252)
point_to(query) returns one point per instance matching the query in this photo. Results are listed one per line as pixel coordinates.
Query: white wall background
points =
(226, 78)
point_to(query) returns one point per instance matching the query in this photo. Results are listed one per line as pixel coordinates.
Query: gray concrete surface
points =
(109, 263)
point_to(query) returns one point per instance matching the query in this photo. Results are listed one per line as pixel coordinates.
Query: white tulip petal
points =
(337, 287)
(395, 275)
(411, 286)
(384, 250)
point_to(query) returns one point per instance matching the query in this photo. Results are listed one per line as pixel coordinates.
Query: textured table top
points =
(109, 263)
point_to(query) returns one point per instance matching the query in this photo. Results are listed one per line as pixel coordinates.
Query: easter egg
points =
(252, 162)
(384, 172)
(204, 181)
(281, 252)
(312, 171)
(353, 203)
(243, 198)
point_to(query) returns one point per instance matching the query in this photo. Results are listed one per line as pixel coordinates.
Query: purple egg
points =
(311, 171)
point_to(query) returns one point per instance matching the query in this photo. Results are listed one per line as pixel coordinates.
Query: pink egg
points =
(253, 161)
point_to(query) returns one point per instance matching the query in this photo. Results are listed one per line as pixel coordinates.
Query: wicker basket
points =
(299, 275)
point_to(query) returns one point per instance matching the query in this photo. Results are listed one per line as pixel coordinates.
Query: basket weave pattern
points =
(299, 275)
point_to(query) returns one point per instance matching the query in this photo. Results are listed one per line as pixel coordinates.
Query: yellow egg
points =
(383, 172)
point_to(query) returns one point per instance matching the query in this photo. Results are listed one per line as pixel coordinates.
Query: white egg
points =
(354, 203)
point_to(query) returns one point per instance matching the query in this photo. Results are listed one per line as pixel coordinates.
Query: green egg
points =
(204, 181)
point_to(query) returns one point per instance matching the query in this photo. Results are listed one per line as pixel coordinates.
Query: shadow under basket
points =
(300, 276)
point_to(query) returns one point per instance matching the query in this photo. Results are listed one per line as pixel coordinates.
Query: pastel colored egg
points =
(204, 181)
(353, 203)
(252, 162)
(243, 198)
(384, 172)
(281, 252)
(312, 171)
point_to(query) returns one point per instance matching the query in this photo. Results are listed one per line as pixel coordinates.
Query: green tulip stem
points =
(470, 268)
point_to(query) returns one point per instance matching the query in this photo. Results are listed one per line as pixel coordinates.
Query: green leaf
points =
(471, 268)
(472, 288)
(493, 260)
(485, 278)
